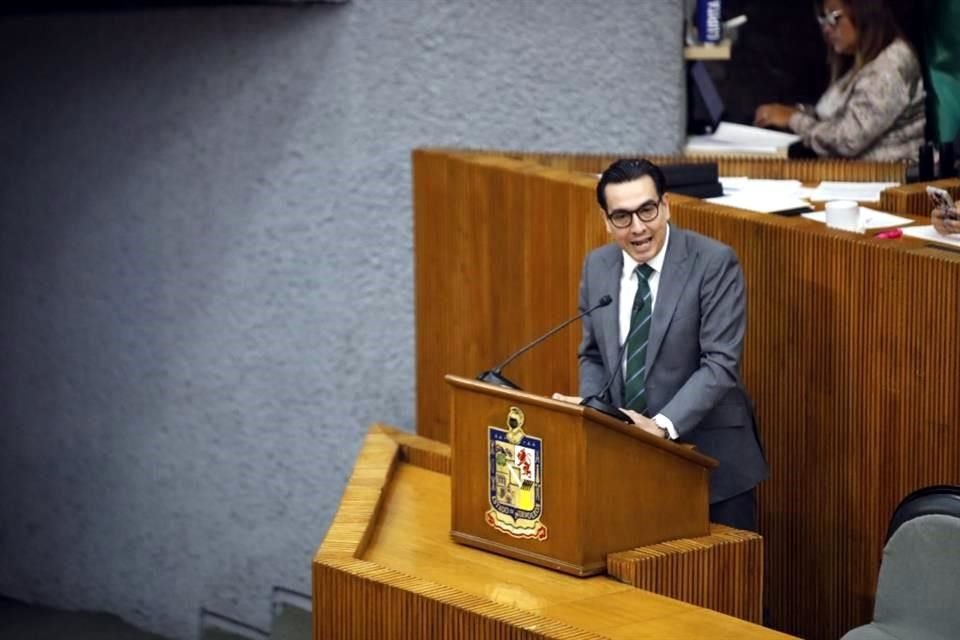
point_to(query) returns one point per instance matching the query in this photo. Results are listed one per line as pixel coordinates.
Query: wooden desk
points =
(719, 51)
(851, 353)
(913, 199)
(388, 569)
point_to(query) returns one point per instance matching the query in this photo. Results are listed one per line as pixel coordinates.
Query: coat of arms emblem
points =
(515, 480)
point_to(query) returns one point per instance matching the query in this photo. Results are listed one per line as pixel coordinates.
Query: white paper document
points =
(741, 139)
(761, 202)
(740, 185)
(860, 191)
(927, 232)
(746, 135)
(870, 218)
(733, 183)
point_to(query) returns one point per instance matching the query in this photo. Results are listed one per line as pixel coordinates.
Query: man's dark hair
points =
(625, 170)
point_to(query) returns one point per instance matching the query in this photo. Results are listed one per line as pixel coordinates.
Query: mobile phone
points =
(940, 198)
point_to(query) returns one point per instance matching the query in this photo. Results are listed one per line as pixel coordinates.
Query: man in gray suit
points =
(680, 303)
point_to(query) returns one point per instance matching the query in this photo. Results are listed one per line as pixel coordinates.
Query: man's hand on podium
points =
(641, 421)
(644, 423)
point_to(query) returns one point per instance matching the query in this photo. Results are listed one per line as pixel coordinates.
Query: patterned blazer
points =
(874, 113)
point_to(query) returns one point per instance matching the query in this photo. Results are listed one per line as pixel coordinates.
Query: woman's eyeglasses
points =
(830, 19)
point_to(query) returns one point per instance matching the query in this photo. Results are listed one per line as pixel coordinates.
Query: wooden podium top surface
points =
(410, 537)
(631, 431)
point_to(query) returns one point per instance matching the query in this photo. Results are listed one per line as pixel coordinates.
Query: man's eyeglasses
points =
(830, 19)
(647, 213)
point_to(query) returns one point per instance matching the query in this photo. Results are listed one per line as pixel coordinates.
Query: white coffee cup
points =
(843, 214)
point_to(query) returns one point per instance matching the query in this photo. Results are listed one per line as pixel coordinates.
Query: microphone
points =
(493, 376)
(601, 401)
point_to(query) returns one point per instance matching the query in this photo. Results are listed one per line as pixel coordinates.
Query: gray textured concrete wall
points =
(206, 263)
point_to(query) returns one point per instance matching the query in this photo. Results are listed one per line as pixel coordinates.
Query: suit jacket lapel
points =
(673, 279)
(610, 318)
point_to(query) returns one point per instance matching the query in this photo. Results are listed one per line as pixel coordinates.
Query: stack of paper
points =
(860, 191)
(763, 202)
(742, 185)
(930, 234)
(741, 139)
(871, 218)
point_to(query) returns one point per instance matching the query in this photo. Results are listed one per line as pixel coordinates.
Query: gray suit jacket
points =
(693, 355)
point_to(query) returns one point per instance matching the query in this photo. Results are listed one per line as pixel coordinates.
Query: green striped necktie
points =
(636, 380)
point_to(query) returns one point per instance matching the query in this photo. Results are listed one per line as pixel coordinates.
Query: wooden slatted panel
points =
(408, 608)
(852, 385)
(435, 253)
(423, 453)
(349, 533)
(850, 357)
(411, 609)
(811, 170)
(482, 261)
(722, 571)
(912, 199)
(355, 598)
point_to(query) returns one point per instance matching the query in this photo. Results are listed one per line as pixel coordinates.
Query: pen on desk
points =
(892, 234)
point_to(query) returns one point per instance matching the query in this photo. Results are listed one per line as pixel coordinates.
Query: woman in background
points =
(874, 106)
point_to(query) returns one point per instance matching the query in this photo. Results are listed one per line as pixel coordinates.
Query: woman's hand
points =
(773, 115)
(945, 221)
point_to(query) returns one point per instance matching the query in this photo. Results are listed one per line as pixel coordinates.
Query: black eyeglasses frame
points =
(626, 217)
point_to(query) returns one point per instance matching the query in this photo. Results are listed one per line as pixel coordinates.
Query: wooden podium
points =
(560, 485)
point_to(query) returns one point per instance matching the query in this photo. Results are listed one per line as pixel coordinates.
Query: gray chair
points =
(918, 591)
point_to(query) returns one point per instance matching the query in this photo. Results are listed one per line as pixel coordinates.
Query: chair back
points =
(941, 498)
(918, 591)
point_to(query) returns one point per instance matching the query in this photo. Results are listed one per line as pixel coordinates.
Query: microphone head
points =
(494, 377)
(604, 301)
(602, 404)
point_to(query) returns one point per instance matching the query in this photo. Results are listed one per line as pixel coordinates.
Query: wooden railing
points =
(722, 571)
(913, 199)
(388, 569)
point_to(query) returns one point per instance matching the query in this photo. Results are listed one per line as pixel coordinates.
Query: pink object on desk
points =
(892, 234)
